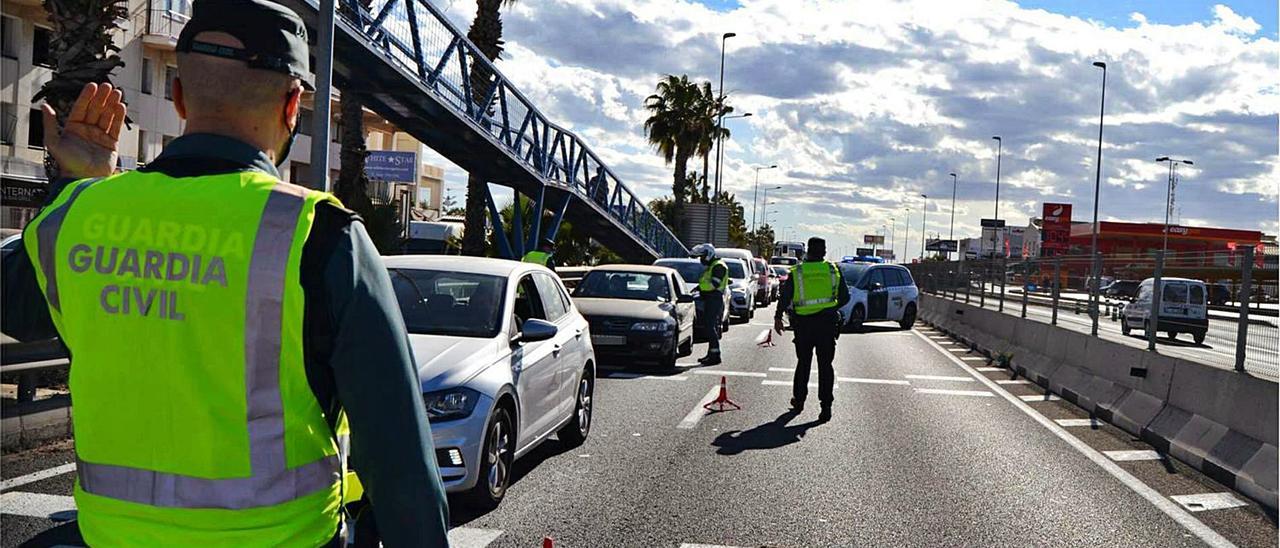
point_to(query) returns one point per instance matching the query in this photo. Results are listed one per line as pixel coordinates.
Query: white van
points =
(738, 253)
(1182, 308)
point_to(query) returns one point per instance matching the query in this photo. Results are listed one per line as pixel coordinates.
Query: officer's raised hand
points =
(778, 326)
(86, 146)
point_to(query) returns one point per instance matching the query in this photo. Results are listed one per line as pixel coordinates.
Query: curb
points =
(35, 423)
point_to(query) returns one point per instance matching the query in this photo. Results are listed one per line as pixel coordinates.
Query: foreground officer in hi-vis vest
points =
(812, 295)
(221, 321)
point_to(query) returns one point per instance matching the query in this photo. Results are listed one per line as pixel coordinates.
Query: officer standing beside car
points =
(812, 297)
(225, 325)
(544, 255)
(711, 287)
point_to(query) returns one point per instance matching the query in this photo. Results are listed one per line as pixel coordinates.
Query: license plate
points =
(608, 340)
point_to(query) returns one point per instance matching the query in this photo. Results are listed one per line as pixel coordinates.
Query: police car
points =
(878, 292)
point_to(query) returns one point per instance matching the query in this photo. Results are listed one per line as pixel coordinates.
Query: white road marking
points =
(938, 378)
(872, 381)
(783, 369)
(789, 383)
(979, 393)
(1012, 381)
(974, 359)
(696, 414)
(1040, 397)
(1208, 501)
(37, 476)
(959, 350)
(1171, 509)
(470, 537)
(937, 337)
(1139, 454)
(36, 505)
(692, 545)
(731, 373)
(642, 376)
(1075, 422)
(988, 369)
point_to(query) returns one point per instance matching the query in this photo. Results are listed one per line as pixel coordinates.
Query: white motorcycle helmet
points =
(705, 252)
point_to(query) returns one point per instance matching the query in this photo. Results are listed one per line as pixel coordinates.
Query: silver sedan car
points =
(505, 362)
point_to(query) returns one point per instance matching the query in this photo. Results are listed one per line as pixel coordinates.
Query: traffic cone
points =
(723, 399)
(765, 340)
(548, 543)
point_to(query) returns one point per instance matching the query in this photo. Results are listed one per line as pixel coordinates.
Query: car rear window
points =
(1175, 293)
(1197, 294)
(736, 269)
(689, 271)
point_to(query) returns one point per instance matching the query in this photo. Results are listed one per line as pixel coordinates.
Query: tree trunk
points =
(486, 34)
(353, 185)
(473, 239)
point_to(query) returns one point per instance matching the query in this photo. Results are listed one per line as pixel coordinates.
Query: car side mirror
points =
(684, 298)
(534, 330)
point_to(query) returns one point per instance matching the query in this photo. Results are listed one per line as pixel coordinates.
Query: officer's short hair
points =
(216, 86)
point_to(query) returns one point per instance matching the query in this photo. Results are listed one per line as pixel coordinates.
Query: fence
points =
(1237, 329)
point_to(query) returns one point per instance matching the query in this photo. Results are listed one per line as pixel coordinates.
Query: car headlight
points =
(650, 326)
(450, 404)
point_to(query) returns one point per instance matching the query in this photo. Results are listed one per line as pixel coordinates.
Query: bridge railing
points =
(425, 45)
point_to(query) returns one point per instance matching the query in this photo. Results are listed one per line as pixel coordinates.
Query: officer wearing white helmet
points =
(711, 286)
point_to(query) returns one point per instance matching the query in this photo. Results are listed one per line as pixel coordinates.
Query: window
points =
(876, 277)
(299, 173)
(305, 117)
(528, 305)
(35, 129)
(638, 286)
(40, 55)
(1197, 294)
(893, 277)
(1173, 293)
(449, 303)
(335, 134)
(552, 301)
(142, 147)
(9, 37)
(146, 76)
(906, 277)
(8, 123)
(169, 74)
(164, 141)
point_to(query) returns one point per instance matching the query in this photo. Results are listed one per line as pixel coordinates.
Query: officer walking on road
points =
(812, 296)
(711, 286)
(544, 255)
(224, 324)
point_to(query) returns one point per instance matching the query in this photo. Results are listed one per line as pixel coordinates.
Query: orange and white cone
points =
(765, 339)
(723, 399)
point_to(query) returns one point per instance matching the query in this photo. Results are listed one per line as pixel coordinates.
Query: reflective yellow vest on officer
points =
(537, 257)
(816, 287)
(705, 283)
(180, 300)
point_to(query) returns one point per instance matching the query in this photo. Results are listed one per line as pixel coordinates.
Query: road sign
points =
(873, 239)
(942, 246)
(863, 251)
(993, 223)
(886, 254)
(392, 166)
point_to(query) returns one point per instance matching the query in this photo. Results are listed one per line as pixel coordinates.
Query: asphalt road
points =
(923, 450)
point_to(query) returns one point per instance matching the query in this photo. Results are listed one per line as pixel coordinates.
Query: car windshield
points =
(638, 286)
(449, 303)
(781, 270)
(689, 271)
(852, 272)
(737, 270)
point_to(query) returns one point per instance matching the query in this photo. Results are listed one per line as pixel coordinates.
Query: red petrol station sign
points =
(1055, 231)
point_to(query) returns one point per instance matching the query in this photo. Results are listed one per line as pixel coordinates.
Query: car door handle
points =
(577, 333)
(555, 350)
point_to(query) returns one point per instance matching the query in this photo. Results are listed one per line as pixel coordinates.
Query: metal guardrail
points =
(421, 42)
(27, 358)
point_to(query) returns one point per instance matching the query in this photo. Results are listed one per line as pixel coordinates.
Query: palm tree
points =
(709, 128)
(486, 34)
(82, 51)
(674, 128)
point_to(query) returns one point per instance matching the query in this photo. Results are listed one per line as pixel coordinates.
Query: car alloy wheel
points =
(498, 456)
(575, 432)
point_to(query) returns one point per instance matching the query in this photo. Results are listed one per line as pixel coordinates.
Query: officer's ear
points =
(179, 99)
(292, 103)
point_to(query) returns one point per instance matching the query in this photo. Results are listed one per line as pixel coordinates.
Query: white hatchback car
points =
(879, 292)
(505, 361)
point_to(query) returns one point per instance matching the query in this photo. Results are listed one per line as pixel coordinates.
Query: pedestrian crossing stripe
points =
(1040, 397)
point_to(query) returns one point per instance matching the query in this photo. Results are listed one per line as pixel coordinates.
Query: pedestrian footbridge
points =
(419, 71)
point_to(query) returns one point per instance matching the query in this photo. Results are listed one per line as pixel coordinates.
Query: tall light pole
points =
(1168, 198)
(720, 124)
(997, 229)
(893, 229)
(955, 182)
(1097, 186)
(924, 216)
(765, 203)
(755, 194)
(906, 238)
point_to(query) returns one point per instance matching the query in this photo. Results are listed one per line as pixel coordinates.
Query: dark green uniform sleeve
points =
(377, 384)
(785, 294)
(842, 293)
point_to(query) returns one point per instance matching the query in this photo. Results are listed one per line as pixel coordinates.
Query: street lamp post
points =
(720, 141)
(1097, 186)
(955, 182)
(755, 194)
(997, 230)
(924, 216)
(1168, 198)
(893, 229)
(906, 237)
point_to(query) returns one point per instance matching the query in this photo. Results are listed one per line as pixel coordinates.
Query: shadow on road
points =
(1166, 341)
(770, 435)
(461, 513)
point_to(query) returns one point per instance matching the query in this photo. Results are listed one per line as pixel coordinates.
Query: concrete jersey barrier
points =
(1222, 422)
